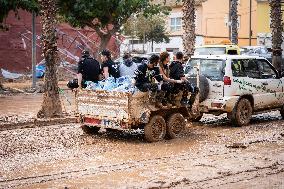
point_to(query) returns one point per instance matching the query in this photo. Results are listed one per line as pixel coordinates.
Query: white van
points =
(236, 85)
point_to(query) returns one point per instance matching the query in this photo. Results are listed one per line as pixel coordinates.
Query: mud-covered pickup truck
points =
(124, 111)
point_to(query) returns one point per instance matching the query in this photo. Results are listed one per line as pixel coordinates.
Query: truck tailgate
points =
(108, 105)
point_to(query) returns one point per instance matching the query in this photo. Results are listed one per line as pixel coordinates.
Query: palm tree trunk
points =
(234, 19)
(277, 29)
(189, 27)
(51, 105)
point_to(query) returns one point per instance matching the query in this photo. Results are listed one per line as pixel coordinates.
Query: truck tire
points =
(203, 86)
(242, 112)
(175, 125)
(90, 129)
(155, 130)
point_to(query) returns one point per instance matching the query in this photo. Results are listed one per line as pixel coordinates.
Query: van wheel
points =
(282, 112)
(242, 113)
(175, 125)
(90, 129)
(155, 130)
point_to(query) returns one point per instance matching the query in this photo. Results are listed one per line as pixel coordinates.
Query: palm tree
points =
(189, 26)
(234, 21)
(51, 106)
(189, 36)
(277, 29)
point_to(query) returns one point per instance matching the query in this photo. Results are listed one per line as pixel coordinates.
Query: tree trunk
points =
(51, 106)
(152, 48)
(277, 29)
(104, 42)
(234, 20)
(189, 26)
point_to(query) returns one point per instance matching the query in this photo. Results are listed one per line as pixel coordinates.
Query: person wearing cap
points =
(147, 77)
(128, 67)
(177, 73)
(109, 68)
(88, 69)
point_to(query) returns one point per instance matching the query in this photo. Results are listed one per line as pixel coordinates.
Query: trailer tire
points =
(90, 129)
(175, 125)
(155, 130)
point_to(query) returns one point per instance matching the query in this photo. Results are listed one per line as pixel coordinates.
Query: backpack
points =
(114, 70)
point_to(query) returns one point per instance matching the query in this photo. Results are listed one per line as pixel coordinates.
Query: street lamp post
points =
(33, 50)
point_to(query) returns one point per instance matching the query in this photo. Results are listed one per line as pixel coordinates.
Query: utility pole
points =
(33, 50)
(250, 33)
(229, 21)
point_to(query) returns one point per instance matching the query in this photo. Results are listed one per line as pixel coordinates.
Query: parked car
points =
(238, 85)
(257, 51)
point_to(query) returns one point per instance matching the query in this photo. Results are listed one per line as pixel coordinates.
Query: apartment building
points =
(212, 24)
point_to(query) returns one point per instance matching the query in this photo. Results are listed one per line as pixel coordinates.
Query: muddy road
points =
(210, 154)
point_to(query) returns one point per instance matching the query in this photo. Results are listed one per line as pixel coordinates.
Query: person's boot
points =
(184, 100)
(159, 99)
(168, 101)
(152, 97)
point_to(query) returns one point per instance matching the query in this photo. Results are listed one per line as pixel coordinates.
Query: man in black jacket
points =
(147, 77)
(177, 73)
(88, 69)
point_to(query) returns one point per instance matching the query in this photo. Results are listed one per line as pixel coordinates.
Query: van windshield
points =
(210, 51)
(213, 69)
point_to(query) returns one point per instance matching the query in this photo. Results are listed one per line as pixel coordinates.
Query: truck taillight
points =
(227, 80)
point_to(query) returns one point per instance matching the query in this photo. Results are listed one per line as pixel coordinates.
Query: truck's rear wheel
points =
(242, 112)
(155, 130)
(175, 125)
(90, 129)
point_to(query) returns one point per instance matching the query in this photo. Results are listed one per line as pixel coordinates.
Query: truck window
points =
(251, 69)
(266, 70)
(213, 69)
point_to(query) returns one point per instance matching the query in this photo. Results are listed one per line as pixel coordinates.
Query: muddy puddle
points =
(209, 154)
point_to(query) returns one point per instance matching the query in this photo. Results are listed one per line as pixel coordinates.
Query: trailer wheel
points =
(242, 112)
(155, 130)
(90, 129)
(175, 125)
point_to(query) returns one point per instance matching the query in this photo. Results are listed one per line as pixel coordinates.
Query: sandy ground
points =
(209, 154)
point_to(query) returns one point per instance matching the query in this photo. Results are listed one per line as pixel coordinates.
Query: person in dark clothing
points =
(147, 77)
(110, 69)
(88, 70)
(177, 73)
(168, 83)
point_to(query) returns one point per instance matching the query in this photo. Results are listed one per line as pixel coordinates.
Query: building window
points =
(175, 24)
(135, 41)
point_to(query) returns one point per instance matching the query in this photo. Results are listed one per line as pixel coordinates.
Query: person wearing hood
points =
(128, 67)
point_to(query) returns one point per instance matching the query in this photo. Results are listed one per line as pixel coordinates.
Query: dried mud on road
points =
(210, 154)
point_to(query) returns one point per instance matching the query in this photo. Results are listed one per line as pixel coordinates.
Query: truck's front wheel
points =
(155, 130)
(175, 125)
